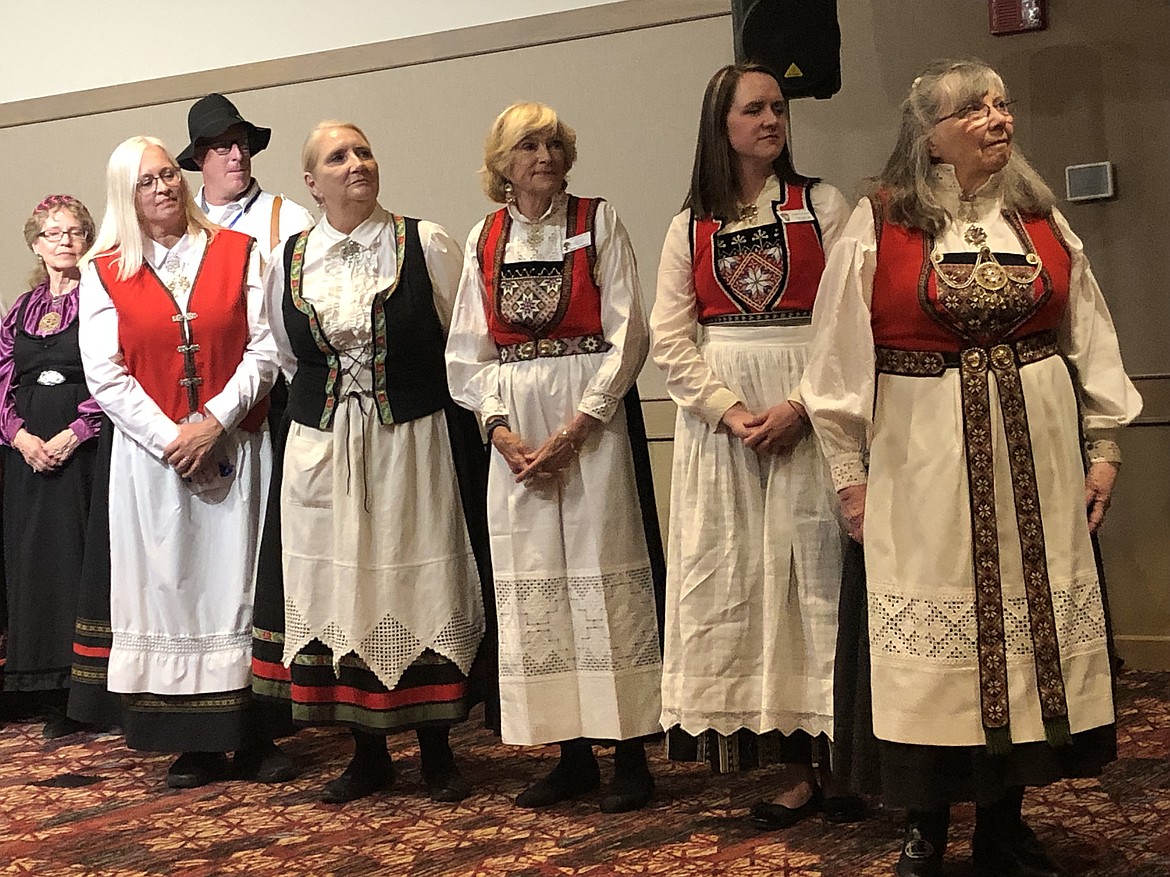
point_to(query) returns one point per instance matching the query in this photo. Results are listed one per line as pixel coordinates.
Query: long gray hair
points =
(904, 184)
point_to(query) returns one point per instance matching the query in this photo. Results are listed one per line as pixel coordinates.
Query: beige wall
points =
(1095, 86)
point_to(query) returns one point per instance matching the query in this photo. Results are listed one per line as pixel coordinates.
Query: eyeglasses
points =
(54, 235)
(224, 147)
(170, 176)
(978, 113)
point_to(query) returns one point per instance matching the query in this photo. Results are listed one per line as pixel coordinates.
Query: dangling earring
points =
(509, 192)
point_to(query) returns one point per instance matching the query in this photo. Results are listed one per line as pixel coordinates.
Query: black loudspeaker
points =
(799, 40)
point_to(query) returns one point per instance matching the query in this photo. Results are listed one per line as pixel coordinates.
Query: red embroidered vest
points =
(908, 314)
(530, 301)
(151, 335)
(761, 274)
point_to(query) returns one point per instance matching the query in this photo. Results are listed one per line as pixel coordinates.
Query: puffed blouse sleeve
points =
(473, 360)
(1109, 399)
(623, 318)
(444, 267)
(274, 300)
(10, 422)
(127, 404)
(838, 384)
(674, 332)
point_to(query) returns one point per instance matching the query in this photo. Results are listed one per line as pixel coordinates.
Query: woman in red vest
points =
(178, 353)
(963, 341)
(546, 342)
(754, 559)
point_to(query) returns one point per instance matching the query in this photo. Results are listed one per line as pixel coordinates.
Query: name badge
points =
(577, 242)
(802, 215)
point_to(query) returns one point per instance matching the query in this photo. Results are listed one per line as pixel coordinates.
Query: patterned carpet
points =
(88, 807)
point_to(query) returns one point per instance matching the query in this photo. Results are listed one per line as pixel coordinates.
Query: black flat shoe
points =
(561, 784)
(919, 857)
(63, 726)
(265, 763)
(449, 787)
(358, 782)
(627, 793)
(1021, 855)
(843, 809)
(772, 817)
(194, 769)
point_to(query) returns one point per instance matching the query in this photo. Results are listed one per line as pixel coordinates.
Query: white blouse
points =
(473, 366)
(839, 382)
(120, 395)
(343, 272)
(689, 379)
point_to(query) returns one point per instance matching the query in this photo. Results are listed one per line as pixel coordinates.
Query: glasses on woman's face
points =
(979, 113)
(170, 176)
(55, 235)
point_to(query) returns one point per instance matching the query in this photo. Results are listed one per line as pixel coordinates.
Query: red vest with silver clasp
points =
(745, 275)
(577, 310)
(150, 337)
(906, 313)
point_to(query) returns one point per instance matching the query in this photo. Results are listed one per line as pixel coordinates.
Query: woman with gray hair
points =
(177, 352)
(962, 341)
(546, 342)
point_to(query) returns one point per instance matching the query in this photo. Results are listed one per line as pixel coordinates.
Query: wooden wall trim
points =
(406, 52)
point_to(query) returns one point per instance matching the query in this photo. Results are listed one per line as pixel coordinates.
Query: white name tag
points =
(577, 242)
(802, 215)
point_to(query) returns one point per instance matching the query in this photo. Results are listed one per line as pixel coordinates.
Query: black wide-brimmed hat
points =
(209, 117)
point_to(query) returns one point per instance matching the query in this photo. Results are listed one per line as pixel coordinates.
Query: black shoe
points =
(771, 817)
(919, 857)
(561, 784)
(1018, 855)
(194, 769)
(265, 763)
(447, 787)
(358, 781)
(843, 809)
(628, 792)
(63, 726)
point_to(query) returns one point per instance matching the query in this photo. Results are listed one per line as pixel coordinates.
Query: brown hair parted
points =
(714, 186)
(510, 127)
(904, 184)
(36, 221)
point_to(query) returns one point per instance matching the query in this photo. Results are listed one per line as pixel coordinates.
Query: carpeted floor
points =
(88, 807)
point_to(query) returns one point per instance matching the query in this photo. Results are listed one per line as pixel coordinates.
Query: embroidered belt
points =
(975, 364)
(768, 318)
(545, 347)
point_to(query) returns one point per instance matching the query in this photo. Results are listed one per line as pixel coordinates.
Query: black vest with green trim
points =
(410, 377)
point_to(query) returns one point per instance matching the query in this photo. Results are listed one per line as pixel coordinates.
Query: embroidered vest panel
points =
(756, 274)
(910, 312)
(410, 377)
(529, 301)
(150, 332)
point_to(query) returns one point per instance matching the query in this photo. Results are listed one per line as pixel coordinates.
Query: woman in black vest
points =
(381, 613)
(48, 421)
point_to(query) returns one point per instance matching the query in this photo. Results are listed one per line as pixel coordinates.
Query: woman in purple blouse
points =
(48, 422)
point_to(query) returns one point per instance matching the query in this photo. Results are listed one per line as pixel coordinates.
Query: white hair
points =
(121, 229)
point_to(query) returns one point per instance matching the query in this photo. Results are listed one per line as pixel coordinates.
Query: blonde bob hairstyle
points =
(510, 127)
(904, 185)
(36, 222)
(121, 230)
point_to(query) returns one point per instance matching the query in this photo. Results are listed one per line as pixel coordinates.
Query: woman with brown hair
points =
(754, 558)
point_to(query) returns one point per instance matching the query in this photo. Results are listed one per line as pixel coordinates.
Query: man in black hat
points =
(222, 145)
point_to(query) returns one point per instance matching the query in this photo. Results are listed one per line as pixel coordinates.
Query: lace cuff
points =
(1103, 451)
(600, 405)
(847, 470)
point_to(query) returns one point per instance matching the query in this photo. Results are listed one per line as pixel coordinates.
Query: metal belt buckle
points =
(50, 378)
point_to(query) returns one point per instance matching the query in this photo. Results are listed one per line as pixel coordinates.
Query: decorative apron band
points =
(769, 318)
(546, 347)
(933, 363)
(976, 366)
